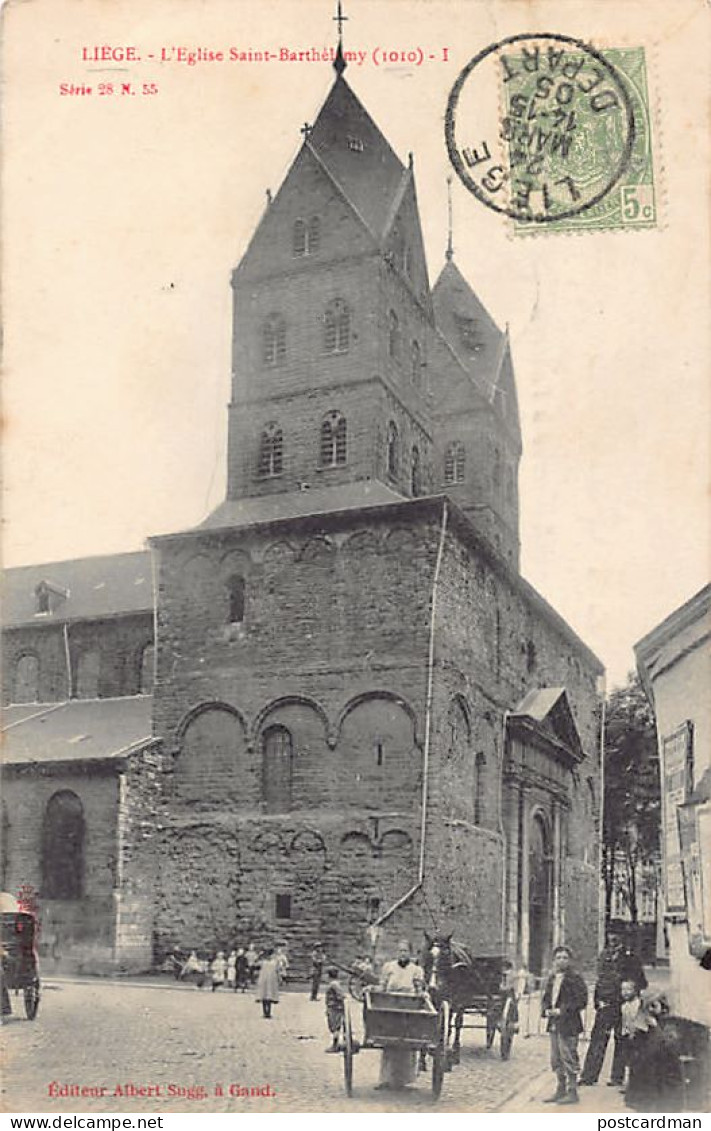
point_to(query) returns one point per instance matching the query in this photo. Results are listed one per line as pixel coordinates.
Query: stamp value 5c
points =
(555, 134)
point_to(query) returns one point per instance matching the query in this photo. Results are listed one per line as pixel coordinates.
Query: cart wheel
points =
(348, 1051)
(439, 1052)
(508, 1028)
(32, 998)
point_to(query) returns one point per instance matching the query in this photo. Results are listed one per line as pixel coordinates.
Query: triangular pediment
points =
(482, 348)
(358, 155)
(545, 712)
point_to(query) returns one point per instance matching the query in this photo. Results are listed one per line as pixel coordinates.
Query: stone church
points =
(334, 711)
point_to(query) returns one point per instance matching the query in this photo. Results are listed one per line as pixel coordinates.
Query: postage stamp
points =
(564, 143)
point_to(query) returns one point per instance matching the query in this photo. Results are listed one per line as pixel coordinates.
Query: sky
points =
(125, 214)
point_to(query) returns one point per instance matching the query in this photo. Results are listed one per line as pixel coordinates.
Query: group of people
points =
(236, 970)
(622, 1008)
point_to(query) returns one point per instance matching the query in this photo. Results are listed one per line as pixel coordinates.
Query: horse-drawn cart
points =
(403, 1021)
(482, 987)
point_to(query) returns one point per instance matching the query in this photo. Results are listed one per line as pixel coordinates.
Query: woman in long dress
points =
(268, 982)
(398, 1066)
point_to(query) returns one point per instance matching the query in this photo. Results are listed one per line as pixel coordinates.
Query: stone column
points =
(556, 877)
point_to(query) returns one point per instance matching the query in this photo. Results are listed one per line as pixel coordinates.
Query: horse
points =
(469, 982)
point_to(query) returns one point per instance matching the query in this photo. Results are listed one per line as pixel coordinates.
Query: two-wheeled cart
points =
(407, 1021)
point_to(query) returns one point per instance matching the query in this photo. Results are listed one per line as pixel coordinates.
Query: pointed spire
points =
(450, 249)
(339, 63)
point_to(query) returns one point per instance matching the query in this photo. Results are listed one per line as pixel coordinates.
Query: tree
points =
(632, 809)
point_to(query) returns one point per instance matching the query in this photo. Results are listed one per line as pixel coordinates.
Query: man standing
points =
(616, 964)
(563, 1001)
(607, 1007)
(317, 960)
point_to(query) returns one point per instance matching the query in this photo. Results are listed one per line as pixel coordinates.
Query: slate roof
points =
(453, 300)
(537, 704)
(97, 586)
(370, 177)
(548, 709)
(299, 504)
(76, 731)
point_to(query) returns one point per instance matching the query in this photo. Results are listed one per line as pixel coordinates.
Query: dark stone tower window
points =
(333, 440)
(416, 473)
(235, 598)
(148, 656)
(26, 681)
(271, 451)
(282, 906)
(86, 679)
(306, 237)
(454, 462)
(393, 335)
(314, 235)
(274, 340)
(63, 847)
(416, 361)
(277, 769)
(337, 327)
(393, 460)
(479, 772)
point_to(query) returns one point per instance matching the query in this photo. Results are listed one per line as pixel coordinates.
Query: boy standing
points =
(563, 1001)
(335, 1008)
(630, 1024)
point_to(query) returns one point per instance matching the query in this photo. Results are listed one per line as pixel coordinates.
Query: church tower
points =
(333, 321)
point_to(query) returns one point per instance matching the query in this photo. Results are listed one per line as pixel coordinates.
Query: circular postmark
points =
(540, 127)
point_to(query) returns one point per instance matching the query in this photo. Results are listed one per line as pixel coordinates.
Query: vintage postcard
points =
(356, 429)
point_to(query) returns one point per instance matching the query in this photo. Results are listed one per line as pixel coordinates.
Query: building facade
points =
(364, 720)
(674, 662)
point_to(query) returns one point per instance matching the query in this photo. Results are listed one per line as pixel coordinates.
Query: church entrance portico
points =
(542, 751)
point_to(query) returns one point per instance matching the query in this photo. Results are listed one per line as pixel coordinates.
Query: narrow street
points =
(181, 1045)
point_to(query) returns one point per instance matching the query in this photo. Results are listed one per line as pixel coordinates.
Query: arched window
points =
(26, 682)
(393, 335)
(274, 340)
(86, 679)
(337, 327)
(416, 365)
(235, 599)
(271, 451)
(479, 786)
(63, 847)
(148, 658)
(277, 769)
(299, 237)
(454, 463)
(306, 237)
(393, 460)
(416, 472)
(333, 440)
(314, 235)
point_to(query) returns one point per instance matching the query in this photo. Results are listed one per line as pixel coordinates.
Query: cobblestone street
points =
(108, 1034)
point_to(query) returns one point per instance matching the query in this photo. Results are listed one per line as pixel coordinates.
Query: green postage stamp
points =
(555, 134)
(629, 203)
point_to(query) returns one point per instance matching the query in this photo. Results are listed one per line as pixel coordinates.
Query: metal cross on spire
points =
(340, 19)
(339, 63)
